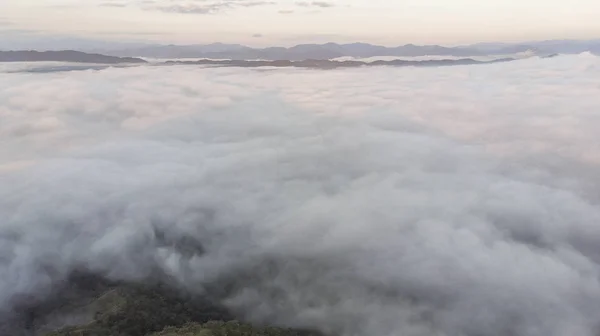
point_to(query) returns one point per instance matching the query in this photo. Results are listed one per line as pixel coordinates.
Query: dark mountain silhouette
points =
(306, 51)
(314, 51)
(63, 56)
(330, 64)
(548, 46)
(310, 63)
(173, 51)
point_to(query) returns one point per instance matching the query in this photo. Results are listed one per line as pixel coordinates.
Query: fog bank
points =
(439, 201)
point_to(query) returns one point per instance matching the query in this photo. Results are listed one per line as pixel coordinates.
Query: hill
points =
(307, 51)
(330, 64)
(88, 305)
(63, 56)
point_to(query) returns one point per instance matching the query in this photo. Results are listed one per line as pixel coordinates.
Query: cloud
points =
(189, 9)
(321, 4)
(257, 35)
(205, 7)
(379, 201)
(286, 11)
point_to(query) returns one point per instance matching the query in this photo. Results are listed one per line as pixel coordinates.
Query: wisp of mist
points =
(371, 201)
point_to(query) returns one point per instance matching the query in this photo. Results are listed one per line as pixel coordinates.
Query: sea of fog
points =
(367, 201)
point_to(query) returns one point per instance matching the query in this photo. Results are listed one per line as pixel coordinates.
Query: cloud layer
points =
(448, 201)
(206, 6)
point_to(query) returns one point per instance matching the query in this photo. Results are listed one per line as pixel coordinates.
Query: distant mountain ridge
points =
(100, 62)
(302, 51)
(64, 56)
(306, 51)
(330, 64)
(355, 50)
(548, 46)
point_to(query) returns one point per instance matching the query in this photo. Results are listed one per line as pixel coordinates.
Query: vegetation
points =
(140, 310)
(213, 328)
(231, 328)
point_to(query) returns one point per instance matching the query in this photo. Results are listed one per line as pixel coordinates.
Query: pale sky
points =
(285, 22)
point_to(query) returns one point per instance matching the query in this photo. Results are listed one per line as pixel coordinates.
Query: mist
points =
(380, 201)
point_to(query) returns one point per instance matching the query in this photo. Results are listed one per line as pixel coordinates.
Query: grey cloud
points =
(257, 35)
(189, 9)
(380, 201)
(322, 4)
(286, 11)
(255, 3)
(207, 7)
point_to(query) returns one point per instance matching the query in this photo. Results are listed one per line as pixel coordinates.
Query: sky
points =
(459, 200)
(287, 22)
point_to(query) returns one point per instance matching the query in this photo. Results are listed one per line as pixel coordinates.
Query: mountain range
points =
(235, 53)
(324, 51)
(63, 56)
(354, 50)
(304, 51)
(102, 61)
